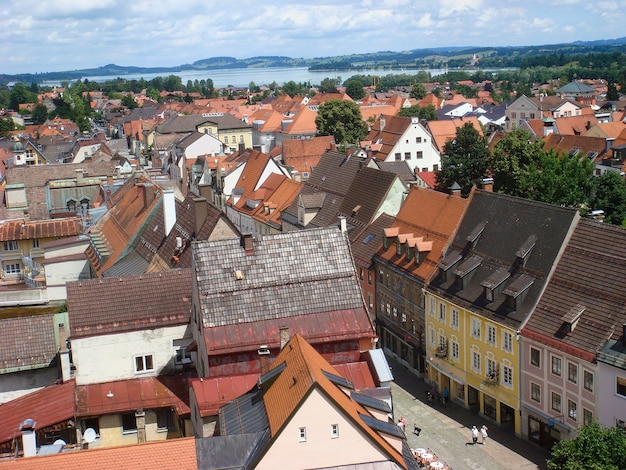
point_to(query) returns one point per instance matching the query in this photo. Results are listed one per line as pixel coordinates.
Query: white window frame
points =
(476, 328)
(535, 392)
(553, 402)
(507, 341)
(588, 374)
(302, 434)
(334, 431)
(454, 350)
(572, 410)
(442, 313)
(432, 306)
(454, 319)
(507, 376)
(538, 351)
(572, 378)
(556, 361)
(144, 363)
(11, 245)
(491, 334)
(620, 383)
(476, 361)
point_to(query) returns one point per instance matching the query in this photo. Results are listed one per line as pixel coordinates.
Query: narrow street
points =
(446, 430)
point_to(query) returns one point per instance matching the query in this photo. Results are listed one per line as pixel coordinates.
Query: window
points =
(370, 300)
(435, 168)
(492, 367)
(556, 402)
(556, 365)
(10, 245)
(381, 276)
(144, 363)
(12, 268)
(432, 306)
(571, 409)
(442, 313)
(403, 318)
(507, 341)
(302, 434)
(165, 419)
(407, 155)
(620, 388)
(241, 138)
(587, 416)
(93, 423)
(369, 277)
(454, 320)
(432, 337)
(507, 376)
(129, 423)
(360, 273)
(535, 357)
(183, 356)
(334, 431)
(476, 361)
(413, 326)
(491, 334)
(572, 372)
(535, 392)
(475, 328)
(225, 139)
(398, 156)
(395, 313)
(418, 140)
(419, 154)
(588, 380)
(455, 350)
(35, 242)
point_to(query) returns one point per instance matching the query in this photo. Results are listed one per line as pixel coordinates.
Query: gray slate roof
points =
(289, 274)
(575, 87)
(27, 343)
(509, 226)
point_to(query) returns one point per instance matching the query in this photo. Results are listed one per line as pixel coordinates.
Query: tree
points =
(464, 161)
(612, 94)
(354, 89)
(418, 91)
(426, 112)
(329, 85)
(595, 448)
(7, 125)
(19, 94)
(609, 195)
(40, 114)
(129, 102)
(341, 119)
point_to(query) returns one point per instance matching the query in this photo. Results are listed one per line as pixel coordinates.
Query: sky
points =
(59, 35)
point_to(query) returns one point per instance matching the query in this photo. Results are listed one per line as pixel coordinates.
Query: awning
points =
(444, 372)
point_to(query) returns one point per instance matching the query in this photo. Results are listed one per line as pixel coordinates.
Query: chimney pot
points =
(247, 242)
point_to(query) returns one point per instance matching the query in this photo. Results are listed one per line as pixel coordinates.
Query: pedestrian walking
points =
(483, 433)
(446, 395)
(474, 435)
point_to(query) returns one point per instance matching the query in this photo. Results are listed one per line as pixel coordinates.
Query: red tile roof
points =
(159, 455)
(26, 230)
(213, 392)
(133, 394)
(48, 406)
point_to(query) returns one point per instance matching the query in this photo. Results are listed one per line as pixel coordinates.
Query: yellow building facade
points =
(476, 359)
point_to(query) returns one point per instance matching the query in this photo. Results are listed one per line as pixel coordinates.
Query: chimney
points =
(205, 191)
(118, 171)
(488, 184)
(242, 147)
(79, 175)
(200, 212)
(29, 438)
(247, 242)
(264, 358)
(455, 189)
(169, 210)
(110, 180)
(383, 123)
(148, 194)
(140, 419)
(64, 354)
(284, 336)
(342, 223)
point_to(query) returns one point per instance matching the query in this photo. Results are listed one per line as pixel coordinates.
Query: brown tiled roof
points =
(365, 243)
(47, 406)
(26, 230)
(432, 216)
(133, 394)
(266, 120)
(444, 131)
(574, 125)
(157, 455)
(302, 123)
(607, 129)
(249, 178)
(305, 369)
(366, 194)
(304, 154)
(27, 343)
(567, 143)
(132, 302)
(277, 201)
(392, 130)
(599, 251)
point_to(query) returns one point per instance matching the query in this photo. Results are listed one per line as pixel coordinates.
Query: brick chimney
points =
(247, 242)
(284, 336)
(200, 212)
(80, 173)
(264, 358)
(140, 419)
(455, 189)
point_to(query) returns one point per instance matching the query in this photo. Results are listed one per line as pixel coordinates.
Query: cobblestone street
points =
(447, 430)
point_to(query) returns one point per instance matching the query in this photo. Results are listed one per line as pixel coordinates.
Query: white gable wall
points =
(320, 449)
(111, 357)
(416, 139)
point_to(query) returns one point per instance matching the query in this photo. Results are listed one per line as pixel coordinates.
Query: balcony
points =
(442, 350)
(492, 378)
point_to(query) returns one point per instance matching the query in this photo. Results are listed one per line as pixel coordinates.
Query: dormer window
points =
(524, 252)
(448, 262)
(517, 290)
(422, 250)
(494, 284)
(570, 319)
(472, 238)
(389, 234)
(465, 271)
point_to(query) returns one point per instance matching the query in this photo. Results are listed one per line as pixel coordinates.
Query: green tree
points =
(40, 114)
(418, 91)
(19, 94)
(341, 119)
(129, 102)
(6, 126)
(464, 161)
(595, 448)
(329, 85)
(426, 112)
(612, 94)
(609, 195)
(354, 89)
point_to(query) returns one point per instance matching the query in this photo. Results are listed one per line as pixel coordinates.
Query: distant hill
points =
(412, 59)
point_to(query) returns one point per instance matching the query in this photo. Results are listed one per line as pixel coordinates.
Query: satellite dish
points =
(90, 435)
(59, 442)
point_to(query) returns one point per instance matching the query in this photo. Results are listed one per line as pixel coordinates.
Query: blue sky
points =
(57, 35)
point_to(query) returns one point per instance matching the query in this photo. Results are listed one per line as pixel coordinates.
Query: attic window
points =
(356, 210)
(368, 239)
(516, 291)
(389, 234)
(524, 252)
(494, 282)
(238, 275)
(449, 260)
(472, 238)
(570, 319)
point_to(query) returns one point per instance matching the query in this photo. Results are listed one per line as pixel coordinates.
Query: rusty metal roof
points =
(28, 230)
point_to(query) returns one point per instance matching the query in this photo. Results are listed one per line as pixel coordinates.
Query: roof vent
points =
(570, 319)
(238, 275)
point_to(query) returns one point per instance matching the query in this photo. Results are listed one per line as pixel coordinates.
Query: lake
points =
(262, 76)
